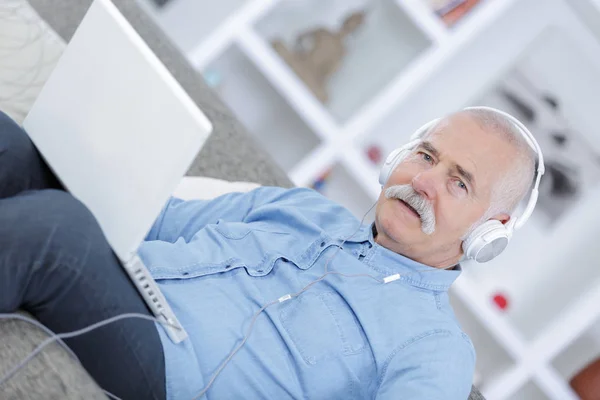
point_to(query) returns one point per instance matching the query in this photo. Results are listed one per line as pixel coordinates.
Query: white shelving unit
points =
(404, 68)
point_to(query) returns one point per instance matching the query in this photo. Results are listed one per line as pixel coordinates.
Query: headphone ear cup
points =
(396, 156)
(390, 163)
(486, 242)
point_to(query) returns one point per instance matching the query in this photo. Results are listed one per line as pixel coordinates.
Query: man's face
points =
(453, 172)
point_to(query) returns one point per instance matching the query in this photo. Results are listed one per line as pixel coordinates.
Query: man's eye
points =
(427, 157)
(461, 184)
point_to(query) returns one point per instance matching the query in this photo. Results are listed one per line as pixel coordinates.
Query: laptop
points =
(120, 133)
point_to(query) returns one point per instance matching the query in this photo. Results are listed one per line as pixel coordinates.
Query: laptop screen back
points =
(116, 127)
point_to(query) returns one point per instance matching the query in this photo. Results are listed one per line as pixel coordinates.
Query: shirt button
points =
(259, 270)
(370, 245)
(322, 244)
(228, 266)
(284, 259)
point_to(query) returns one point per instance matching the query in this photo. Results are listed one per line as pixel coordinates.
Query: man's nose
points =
(425, 183)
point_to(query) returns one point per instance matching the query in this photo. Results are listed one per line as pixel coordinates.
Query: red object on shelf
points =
(501, 301)
(458, 12)
(320, 182)
(374, 154)
(325, 174)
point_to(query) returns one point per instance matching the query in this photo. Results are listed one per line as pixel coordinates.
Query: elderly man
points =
(367, 314)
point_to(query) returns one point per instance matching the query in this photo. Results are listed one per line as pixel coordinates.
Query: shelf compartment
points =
(289, 86)
(267, 116)
(529, 391)
(224, 36)
(189, 22)
(369, 63)
(423, 16)
(339, 185)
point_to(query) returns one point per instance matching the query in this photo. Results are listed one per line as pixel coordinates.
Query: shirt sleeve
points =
(437, 366)
(183, 219)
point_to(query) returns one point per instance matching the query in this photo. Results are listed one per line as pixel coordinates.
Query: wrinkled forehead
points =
(463, 142)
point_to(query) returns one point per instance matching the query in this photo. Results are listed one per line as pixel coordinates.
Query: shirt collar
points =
(387, 262)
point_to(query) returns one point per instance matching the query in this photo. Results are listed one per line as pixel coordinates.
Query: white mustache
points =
(421, 205)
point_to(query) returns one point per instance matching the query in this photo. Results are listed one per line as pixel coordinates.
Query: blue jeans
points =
(56, 264)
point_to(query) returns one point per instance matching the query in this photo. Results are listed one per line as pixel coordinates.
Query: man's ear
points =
(502, 217)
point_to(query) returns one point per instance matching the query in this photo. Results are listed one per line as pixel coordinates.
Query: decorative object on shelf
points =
(451, 11)
(586, 383)
(374, 153)
(320, 183)
(500, 300)
(213, 78)
(318, 53)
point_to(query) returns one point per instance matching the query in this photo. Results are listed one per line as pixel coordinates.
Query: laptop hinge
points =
(154, 298)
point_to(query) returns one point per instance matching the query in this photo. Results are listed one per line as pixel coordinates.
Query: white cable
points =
(109, 394)
(350, 237)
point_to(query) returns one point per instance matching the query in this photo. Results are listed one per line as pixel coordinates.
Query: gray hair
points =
(514, 186)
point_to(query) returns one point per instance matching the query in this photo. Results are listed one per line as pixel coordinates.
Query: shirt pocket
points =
(322, 326)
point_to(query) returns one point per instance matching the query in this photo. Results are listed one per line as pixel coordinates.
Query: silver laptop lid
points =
(116, 127)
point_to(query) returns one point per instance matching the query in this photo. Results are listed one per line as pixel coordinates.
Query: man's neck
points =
(451, 267)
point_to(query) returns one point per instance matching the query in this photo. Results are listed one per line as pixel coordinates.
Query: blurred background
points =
(330, 87)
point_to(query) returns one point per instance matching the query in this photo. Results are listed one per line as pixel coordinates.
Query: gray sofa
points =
(229, 154)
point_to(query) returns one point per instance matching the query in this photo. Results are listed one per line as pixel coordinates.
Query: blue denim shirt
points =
(217, 262)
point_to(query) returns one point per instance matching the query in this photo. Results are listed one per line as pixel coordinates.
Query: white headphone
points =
(490, 238)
